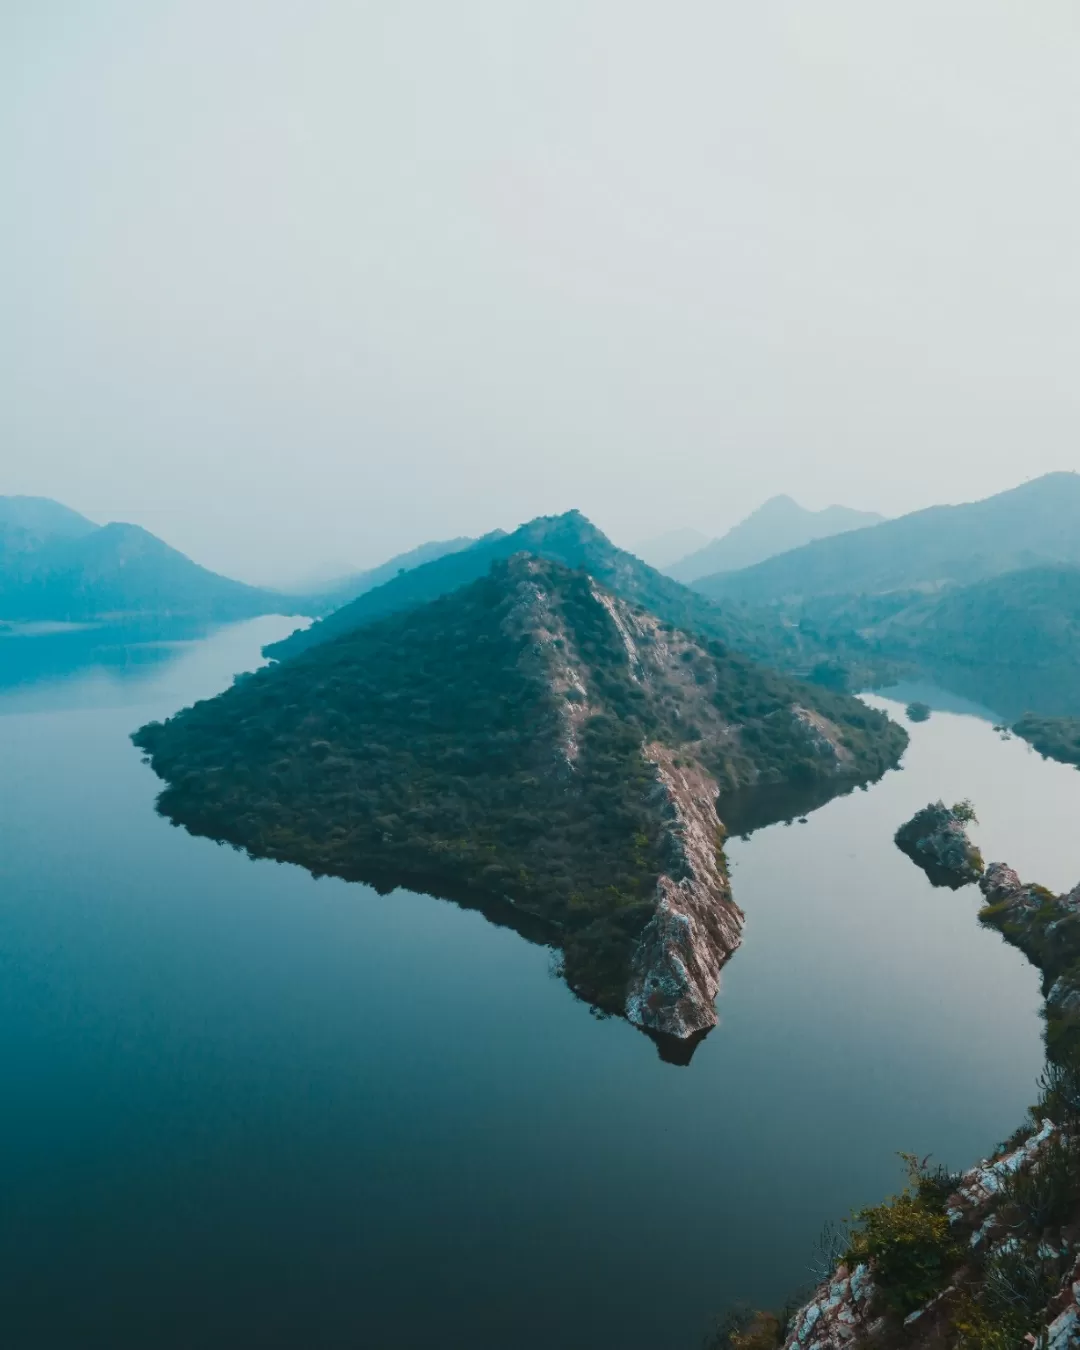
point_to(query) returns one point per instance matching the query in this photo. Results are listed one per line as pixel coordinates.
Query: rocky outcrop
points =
(844, 1313)
(936, 839)
(841, 1314)
(675, 968)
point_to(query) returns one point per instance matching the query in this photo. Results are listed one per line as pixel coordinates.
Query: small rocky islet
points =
(935, 839)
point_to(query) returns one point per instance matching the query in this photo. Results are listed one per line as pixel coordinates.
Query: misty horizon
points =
(401, 275)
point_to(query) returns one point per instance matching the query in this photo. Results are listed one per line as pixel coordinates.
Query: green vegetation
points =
(918, 712)
(573, 541)
(907, 1240)
(1054, 737)
(488, 748)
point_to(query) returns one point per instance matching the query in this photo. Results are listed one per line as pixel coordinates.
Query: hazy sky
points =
(297, 282)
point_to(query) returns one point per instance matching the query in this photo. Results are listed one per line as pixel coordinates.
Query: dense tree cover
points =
(1011, 642)
(429, 750)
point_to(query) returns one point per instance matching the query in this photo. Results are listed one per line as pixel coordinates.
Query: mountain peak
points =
(778, 525)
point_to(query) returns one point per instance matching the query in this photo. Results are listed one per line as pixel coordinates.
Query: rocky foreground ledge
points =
(989, 1259)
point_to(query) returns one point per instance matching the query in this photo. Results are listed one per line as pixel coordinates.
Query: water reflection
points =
(42, 656)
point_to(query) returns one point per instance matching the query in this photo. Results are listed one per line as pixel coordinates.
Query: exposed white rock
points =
(675, 969)
(983, 1181)
(835, 1318)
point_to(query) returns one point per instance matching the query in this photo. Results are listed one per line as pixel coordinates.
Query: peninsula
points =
(533, 746)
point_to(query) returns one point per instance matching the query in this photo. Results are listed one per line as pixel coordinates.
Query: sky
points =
(298, 284)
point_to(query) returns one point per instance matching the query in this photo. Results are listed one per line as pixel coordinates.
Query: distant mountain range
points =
(56, 565)
(775, 527)
(1028, 526)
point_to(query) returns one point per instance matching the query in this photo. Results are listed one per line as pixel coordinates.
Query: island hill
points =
(533, 746)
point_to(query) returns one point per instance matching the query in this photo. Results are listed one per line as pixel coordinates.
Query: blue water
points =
(244, 1108)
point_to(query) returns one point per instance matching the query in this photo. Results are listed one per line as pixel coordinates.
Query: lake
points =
(244, 1108)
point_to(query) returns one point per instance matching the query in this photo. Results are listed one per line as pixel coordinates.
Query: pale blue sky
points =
(291, 283)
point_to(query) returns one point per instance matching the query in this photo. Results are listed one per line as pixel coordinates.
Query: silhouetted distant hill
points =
(347, 588)
(54, 565)
(775, 527)
(575, 542)
(1036, 523)
(42, 518)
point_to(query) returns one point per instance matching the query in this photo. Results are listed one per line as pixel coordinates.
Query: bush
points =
(906, 1241)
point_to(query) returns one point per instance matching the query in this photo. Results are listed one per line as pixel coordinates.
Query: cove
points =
(245, 1107)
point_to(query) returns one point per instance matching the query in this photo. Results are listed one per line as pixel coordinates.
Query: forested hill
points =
(55, 565)
(512, 745)
(575, 542)
(1011, 642)
(1033, 524)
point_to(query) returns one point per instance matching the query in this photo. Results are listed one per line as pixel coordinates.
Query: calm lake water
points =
(242, 1108)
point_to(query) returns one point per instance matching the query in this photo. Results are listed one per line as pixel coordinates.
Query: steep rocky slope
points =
(533, 746)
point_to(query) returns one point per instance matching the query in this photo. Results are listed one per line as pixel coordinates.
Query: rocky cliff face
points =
(936, 839)
(675, 968)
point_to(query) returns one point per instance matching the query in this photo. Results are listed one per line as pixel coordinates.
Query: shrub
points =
(906, 1240)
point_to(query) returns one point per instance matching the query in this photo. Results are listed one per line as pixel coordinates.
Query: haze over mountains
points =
(57, 566)
(1029, 525)
(775, 527)
(345, 588)
(982, 596)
